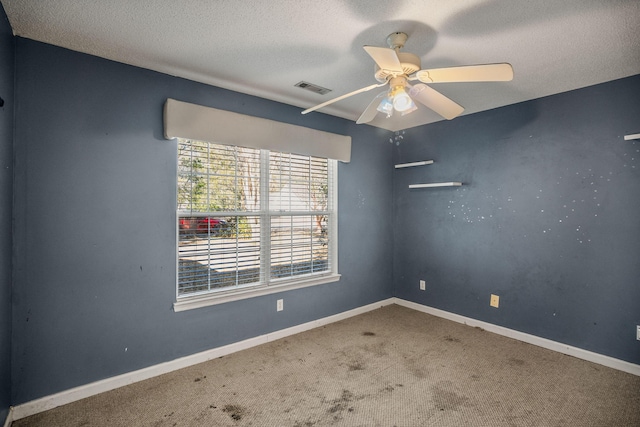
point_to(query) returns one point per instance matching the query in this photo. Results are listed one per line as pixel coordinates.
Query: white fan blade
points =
(470, 73)
(436, 101)
(387, 59)
(331, 101)
(370, 112)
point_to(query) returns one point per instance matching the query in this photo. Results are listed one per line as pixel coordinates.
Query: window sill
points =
(198, 301)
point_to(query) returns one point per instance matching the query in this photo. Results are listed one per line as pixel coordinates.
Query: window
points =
(251, 220)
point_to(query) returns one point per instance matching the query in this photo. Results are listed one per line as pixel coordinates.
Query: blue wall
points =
(6, 201)
(547, 218)
(95, 224)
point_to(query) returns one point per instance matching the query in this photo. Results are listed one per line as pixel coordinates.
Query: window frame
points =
(267, 284)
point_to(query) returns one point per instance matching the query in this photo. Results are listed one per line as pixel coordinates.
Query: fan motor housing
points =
(410, 64)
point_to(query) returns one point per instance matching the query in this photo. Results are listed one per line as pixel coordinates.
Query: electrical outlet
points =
(495, 301)
(423, 285)
(638, 333)
(279, 305)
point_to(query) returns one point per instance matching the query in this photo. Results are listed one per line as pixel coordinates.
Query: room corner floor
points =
(390, 367)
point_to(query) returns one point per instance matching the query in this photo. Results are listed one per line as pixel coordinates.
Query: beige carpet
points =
(389, 367)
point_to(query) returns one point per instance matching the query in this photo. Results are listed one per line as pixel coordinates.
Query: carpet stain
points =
(516, 362)
(415, 368)
(445, 399)
(356, 366)
(341, 403)
(369, 334)
(236, 412)
(451, 339)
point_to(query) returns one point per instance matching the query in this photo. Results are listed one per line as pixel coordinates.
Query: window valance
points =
(191, 121)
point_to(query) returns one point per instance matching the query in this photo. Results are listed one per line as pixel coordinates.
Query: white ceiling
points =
(265, 47)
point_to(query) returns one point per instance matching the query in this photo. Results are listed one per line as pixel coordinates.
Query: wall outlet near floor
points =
(638, 333)
(279, 305)
(423, 285)
(495, 301)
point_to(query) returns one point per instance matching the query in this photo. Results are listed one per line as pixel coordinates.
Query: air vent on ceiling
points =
(313, 88)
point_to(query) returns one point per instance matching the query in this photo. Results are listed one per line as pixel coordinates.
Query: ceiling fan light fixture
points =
(386, 106)
(396, 69)
(412, 107)
(402, 102)
(415, 90)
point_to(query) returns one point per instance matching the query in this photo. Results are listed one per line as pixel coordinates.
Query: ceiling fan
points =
(397, 69)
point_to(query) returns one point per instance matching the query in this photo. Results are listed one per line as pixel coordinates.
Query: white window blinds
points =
(218, 216)
(299, 214)
(250, 218)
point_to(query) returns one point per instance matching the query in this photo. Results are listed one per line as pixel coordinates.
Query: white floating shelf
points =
(409, 165)
(627, 137)
(436, 184)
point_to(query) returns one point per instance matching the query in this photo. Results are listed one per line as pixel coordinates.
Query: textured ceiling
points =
(265, 47)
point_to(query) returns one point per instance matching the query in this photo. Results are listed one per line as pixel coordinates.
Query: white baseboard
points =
(62, 398)
(9, 419)
(579, 353)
